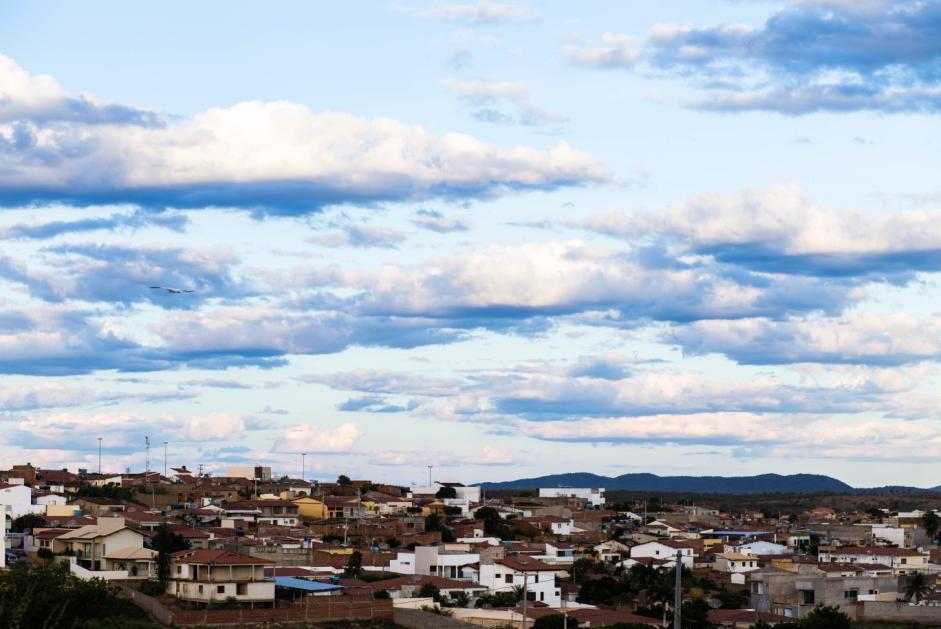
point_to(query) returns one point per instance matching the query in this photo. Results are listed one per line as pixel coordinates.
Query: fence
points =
(418, 619)
(310, 609)
(894, 612)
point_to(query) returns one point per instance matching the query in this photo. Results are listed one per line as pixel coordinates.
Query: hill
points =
(763, 483)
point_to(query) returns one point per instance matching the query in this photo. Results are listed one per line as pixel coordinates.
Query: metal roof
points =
(294, 583)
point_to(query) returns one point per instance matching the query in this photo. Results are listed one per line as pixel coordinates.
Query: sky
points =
(501, 239)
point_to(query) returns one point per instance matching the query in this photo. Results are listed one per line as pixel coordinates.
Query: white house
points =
(735, 562)
(760, 547)
(108, 549)
(901, 560)
(611, 550)
(503, 575)
(437, 561)
(19, 498)
(665, 550)
(205, 576)
(595, 496)
(404, 563)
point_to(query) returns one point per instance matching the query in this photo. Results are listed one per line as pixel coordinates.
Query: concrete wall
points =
(893, 612)
(418, 619)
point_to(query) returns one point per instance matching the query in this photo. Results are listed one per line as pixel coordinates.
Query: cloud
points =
(779, 230)
(131, 221)
(386, 382)
(268, 157)
(374, 404)
(435, 221)
(362, 237)
(40, 98)
(476, 13)
(501, 286)
(487, 96)
(119, 274)
(615, 51)
(311, 439)
(120, 431)
(810, 56)
(858, 338)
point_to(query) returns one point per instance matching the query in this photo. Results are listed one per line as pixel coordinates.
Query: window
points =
(220, 589)
(509, 578)
(904, 560)
(851, 594)
(807, 597)
(200, 589)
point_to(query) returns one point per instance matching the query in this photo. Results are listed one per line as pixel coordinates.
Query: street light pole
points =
(165, 458)
(99, 455)
(429, 475)
(303, 465)
(678, 592)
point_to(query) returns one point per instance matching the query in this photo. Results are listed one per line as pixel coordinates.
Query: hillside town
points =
(193, 548)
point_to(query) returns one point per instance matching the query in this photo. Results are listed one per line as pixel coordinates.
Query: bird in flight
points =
(173, 291)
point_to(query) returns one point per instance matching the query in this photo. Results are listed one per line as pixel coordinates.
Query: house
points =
(611, 550)
(442, 561)
(206, 576)
(471, 494)
(106, 549)
(734, 562)
(537, 577)
(664, 550)
(901, 560)
(408, 586)
(19, 498)
(594, 496)
(796, 591)
(760, 548)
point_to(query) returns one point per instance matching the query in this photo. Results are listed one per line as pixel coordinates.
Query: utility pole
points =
(147, 459)
(429, 475)
(99, 455)
(525, 622)
(165, 458)
(565, 614)
(678, 592)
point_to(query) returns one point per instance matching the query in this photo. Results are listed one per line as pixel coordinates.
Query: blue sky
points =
(505, 239)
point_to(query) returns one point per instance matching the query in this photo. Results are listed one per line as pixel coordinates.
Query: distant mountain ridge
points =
(762, 483)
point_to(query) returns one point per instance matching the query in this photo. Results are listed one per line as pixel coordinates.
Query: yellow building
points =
(310, 508)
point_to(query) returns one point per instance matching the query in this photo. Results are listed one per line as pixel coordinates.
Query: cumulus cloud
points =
(362, 237)
(311, 439)
(490, 98)
(120, 432)
(121, 274)
(476, 12)
(116, 222)
(435, 221)
(270, 157)
(780, 230)
(495, 285)
(856, 338)
(810, 56)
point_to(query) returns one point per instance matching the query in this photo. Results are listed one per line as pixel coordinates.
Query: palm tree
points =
(931, 522)
(917, 588)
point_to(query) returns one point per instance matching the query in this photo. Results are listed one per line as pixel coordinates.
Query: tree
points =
(343, 479)
(825, 617)
(45, 554)
(932, 523)
(581, 568)
(166, 542)
(430, 590)
(696, 614)
(555, 621)
(354, 565)
(446, 492)
(461, 599)
(47, 596)
(917, 588)
(393, 542)
(28, 521)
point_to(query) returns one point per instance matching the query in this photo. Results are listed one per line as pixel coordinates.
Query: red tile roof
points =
(522, 563)
(218, 558)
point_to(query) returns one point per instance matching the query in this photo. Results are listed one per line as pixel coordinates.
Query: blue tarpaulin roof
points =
(303, 584)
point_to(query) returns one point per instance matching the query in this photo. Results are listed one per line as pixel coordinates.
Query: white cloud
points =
(311, 439)
(276, 156)
(477, 12)
(616, 50)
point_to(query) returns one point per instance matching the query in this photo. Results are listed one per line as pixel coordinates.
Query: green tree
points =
(696, 614)
(446, 492)
(461, 599)
(825, 617)
(917, 588)
(28, 521)
(354, 565)
(430, 590)
(581, 569)
(343, 479)
(47, 596)
(166, 542)
(932, 523)
(555, 621)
